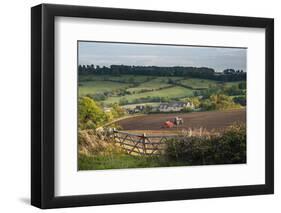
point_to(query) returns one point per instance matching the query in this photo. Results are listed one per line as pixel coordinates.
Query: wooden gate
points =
(141, 144)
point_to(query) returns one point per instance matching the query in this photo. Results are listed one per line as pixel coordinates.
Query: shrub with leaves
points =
(219, 102)
(91, 114)
(227, 148)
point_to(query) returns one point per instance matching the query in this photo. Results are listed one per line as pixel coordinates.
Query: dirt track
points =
(207, 120)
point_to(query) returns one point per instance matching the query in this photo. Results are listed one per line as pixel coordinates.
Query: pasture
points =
(154, 84)
(175, 92)
(196, 83)
(131, 88)
(93, 87)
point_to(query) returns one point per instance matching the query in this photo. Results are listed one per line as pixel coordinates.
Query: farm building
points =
(139, 108)
(106, 109)
(161, 107)
(135, 109)
(174, 106)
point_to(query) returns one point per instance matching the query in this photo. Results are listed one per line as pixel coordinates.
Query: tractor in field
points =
(177, 121)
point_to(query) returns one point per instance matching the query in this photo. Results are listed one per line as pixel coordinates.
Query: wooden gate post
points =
(114, 133)
(143, 143)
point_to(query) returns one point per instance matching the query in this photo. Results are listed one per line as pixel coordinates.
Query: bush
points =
(91, 114)
(228, 148)
(187, 109)
(219, 102)
(233, 90)
(194, 100)
(99, 97)
(240, 100)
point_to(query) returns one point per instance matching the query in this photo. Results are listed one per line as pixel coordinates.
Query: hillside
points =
(133, 89)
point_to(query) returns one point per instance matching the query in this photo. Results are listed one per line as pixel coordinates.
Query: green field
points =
(92, 87)
(229, 84)
(123, 78)
(175, 92)
(198, 83)
(153, 84)
(133, 87)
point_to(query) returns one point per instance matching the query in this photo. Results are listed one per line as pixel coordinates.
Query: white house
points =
(174, 106)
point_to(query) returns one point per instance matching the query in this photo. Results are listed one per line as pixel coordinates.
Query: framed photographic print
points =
(139, 106)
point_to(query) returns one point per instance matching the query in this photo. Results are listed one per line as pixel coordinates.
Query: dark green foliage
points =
(242, 85)
(233, 90)
(240, 100)
(210, 91)
(228, 148)
(194, 72)
(99, 97)
(232, 145)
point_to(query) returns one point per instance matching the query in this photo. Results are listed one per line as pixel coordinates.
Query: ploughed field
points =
(213, 120)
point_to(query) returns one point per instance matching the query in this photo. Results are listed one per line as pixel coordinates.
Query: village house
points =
(174, 106)
(106, 109)
(162, 107)
(139, 108)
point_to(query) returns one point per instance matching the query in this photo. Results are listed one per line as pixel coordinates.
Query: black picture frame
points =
(43, 110)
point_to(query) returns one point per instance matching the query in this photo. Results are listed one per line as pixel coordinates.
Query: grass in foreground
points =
(122, 161)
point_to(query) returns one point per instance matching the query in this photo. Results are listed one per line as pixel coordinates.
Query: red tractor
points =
(176, 122)
(168, 124)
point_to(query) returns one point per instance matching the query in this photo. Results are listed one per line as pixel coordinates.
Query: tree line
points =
(193, 72)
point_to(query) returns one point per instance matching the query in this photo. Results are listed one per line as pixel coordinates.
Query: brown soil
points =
(214, 120)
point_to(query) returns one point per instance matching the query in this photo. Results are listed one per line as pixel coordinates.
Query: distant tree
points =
(193, 72)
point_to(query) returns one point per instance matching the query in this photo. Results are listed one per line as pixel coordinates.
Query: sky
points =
(106, 54)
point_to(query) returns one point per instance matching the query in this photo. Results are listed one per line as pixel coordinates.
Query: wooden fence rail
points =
(141, 144)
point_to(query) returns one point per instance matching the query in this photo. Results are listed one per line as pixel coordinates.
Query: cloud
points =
(106, 54)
